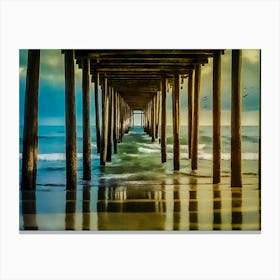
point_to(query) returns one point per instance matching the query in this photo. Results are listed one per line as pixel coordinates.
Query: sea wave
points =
(58, 156)
(147, 150)
(224, 156)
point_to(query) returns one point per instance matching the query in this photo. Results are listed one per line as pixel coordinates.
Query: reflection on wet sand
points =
(28, 199)
(70, 210)
(236, 208)
(175, 206)
(217, 206)
(193, 206)
(86, 208)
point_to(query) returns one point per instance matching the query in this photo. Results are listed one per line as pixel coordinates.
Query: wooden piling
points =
(121, 119)
(217, 117)
(176, 122)
(104, 136)
(86, 122)
(109, 138)
(163, 120)
(159, 112)
(195, 128)
(30, 130)
(190, 110)
(97, 122)
(114, 96)
(153, 116)
(236, 180)
(156, 115)
(70, 119)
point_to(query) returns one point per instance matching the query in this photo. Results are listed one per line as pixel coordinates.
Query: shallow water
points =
(143, 207)
(136, 192)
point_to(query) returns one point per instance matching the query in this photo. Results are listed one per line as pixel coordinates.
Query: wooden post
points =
(115, 121)
(109, 138)
(118, 118)
(159, 112)
(132, 117)
(30, 130)
(104, 136)
(163, 120)
(70, 119)
(97, 122)
(176, 122)
(121, 118)
(195, 131)
(190, 110)
(236, 180)
(153, 127)
(217, 117)
(86, 122)
(156, 115)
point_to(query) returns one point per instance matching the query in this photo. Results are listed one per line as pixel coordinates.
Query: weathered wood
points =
(153, 116)
(195, 128)
(176, 122)
(121, 110)
(97, 122)
(30, 130)
(110, 128)
(86, 122)
(236, 179)
(217, 117)
(163, 121)
(115, 122)
(158, 113)
(118, 118)
(138, 69)
(70, 119)
(104, 136)
(190, 110)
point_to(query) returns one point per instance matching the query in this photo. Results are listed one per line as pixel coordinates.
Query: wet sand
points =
(136, 192)
(192, 205)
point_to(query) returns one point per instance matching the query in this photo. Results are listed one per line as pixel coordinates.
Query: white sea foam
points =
(153, 146)
(224, 156)
(58, 156)
(146, 150)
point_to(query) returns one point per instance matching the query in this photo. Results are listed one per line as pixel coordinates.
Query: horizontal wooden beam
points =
(140, 53)
(147, 69)
(152, 63)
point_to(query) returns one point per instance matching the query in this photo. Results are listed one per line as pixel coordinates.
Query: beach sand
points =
(192, 205)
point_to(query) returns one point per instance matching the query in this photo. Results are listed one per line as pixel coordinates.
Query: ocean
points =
(137, 166)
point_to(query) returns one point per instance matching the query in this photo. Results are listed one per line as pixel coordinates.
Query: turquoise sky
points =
(51, 89)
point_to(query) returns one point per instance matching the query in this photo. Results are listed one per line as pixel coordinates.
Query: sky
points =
(51, 89)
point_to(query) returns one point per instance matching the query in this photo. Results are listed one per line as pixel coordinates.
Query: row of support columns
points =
(194, 116)
(116, 119)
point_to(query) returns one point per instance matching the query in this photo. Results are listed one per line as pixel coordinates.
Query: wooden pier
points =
(134, 80)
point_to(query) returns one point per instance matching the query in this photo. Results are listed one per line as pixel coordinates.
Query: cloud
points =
(51, 67)
(251, 56)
